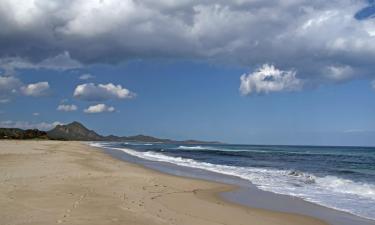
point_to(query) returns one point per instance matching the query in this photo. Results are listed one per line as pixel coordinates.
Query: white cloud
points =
(373, 84)
(268, 79)
(86, 76)
(67, 108)
(99, 108)
(11, 86)
(36, 89)
(28, 125)
(36, 114)
(100, 92)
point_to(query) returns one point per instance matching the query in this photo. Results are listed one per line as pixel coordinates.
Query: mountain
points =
(73, 131)
(139, 138)
(145, 138)
(77, 132)
(197, 142)
(15, 133)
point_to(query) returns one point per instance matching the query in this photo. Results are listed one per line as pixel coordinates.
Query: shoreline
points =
(47, 182)
(245, 195)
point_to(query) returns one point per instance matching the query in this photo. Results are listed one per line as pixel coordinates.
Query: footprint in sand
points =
(75, 205)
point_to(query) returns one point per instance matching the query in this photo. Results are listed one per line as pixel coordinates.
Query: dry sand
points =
(51, 182)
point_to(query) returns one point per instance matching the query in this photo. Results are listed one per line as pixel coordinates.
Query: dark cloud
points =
(320, 40)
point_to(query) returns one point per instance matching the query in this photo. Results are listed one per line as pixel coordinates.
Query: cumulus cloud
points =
(268, 79)
(11, 86)
(28, 125)
(67, 108)
(101, 92)
(86, 76)
(99, 108)
(36, 89)
(309, 36)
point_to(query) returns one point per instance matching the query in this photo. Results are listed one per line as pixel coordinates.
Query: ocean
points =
(341, 178)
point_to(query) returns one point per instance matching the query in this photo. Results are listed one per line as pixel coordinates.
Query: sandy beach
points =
(49, 182)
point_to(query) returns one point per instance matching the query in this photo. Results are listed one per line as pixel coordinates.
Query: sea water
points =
(342, 178)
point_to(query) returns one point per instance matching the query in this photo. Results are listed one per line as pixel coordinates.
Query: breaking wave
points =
(330, 191)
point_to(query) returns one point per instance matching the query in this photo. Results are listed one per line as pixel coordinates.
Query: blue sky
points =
(185, 100)
(197, 78)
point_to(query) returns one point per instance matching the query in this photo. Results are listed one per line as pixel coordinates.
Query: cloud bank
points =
(28, 125)
(326, 41)
(60, 62)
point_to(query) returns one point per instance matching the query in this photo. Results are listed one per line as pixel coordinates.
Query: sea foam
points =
(330, 191)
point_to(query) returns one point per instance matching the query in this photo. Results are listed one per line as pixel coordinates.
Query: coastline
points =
(46, 182)
(245, 193)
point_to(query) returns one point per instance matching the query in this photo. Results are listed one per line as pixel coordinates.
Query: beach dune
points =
(52, 182)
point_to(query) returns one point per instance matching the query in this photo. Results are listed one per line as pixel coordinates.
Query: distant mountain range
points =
(75, 131)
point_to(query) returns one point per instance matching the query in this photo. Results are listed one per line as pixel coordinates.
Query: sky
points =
(237, 71)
